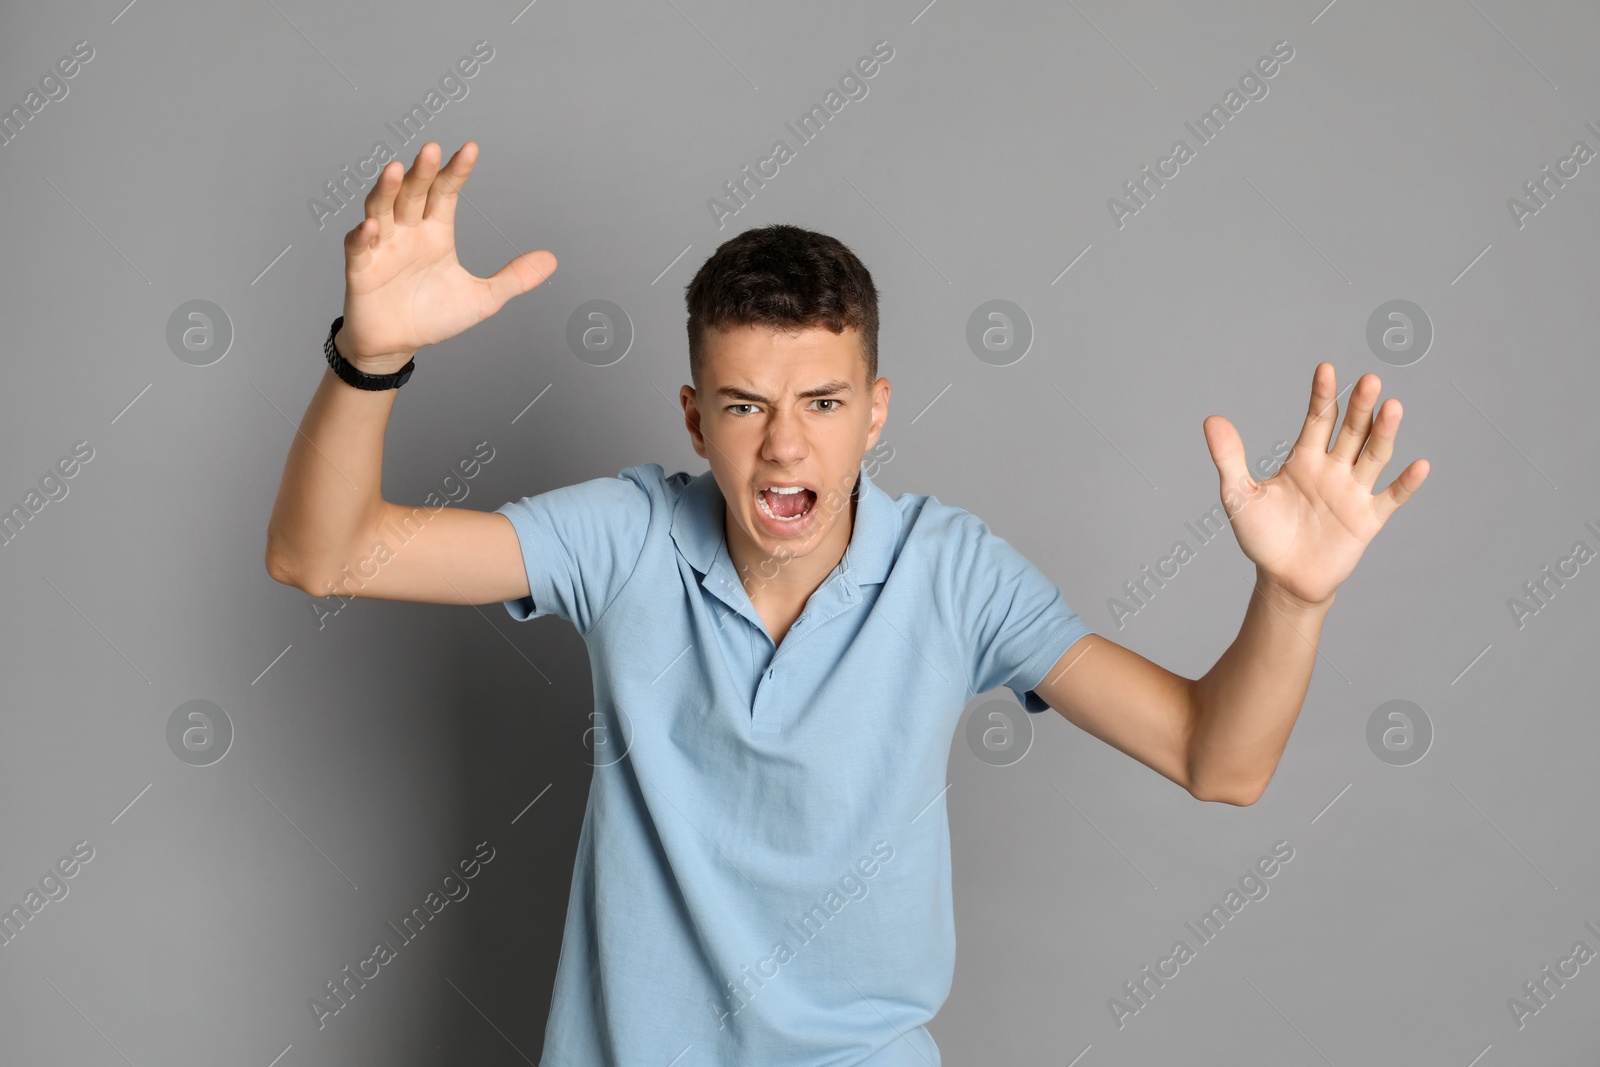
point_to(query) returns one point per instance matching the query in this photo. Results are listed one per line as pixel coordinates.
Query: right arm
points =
(404, 289)
(323, 526)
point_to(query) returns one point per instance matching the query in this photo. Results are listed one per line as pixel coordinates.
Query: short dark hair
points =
(784, 278)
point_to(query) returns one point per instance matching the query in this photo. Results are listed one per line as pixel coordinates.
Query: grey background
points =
(372, 753)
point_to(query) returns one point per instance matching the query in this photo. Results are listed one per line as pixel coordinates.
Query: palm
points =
(414, 292)
(404, 287)
(1306, 527)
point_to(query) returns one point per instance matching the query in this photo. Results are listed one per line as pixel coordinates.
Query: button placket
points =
(844, 597)
(764, 718)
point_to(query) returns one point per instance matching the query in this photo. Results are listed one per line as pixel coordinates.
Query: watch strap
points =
(352, 375)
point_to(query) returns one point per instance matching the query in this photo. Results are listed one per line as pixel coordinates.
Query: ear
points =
(691, 419)
(880, 410)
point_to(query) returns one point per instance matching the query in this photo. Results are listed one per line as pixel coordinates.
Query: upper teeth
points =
(784, 489)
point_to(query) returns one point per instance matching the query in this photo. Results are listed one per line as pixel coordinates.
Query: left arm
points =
(1218, 737)
(1244, 707)
(1221, 736)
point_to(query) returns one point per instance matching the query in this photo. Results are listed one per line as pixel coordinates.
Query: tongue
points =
(788, 505)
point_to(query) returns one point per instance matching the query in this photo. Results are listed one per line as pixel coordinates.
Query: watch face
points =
(405, 376)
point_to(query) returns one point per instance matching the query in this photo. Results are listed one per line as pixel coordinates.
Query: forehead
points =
(760, 353)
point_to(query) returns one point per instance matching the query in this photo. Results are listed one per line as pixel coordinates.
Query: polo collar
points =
(697, 528)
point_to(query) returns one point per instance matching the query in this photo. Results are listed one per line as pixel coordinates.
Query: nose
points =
(785, 442)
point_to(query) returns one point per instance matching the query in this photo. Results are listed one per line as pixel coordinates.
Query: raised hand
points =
(1306, 527)
(404, 287)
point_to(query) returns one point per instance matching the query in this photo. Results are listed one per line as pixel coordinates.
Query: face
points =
(785, 410)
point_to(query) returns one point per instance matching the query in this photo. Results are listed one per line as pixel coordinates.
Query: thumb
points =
(519, 276)
(1227, 452)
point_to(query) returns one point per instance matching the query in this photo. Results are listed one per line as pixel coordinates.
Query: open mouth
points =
(792, 506)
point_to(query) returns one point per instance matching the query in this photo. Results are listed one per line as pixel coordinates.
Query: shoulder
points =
(932, 525)
(944, 545)
(645, 484)
(655, 481)
(960, 555)
(629, 496)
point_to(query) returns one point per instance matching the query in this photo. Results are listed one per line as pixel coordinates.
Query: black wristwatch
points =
(359, 378)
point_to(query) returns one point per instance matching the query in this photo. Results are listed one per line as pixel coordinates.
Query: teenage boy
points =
(781, 651)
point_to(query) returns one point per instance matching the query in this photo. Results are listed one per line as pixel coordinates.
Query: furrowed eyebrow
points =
(825, 389)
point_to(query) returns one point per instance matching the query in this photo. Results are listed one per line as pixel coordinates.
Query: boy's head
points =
(783, 354)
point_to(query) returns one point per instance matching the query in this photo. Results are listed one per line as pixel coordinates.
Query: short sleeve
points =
(580, 544)
(1018, 622)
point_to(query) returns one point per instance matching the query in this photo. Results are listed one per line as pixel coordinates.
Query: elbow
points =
(282, 570)
(1242, 799)
(1237, 799)
(1240, 794)
(1226, 781)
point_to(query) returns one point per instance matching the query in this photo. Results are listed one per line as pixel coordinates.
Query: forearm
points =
(332, 481)
(1245, 706)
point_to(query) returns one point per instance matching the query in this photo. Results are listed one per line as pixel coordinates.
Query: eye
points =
(730, 407)
(829, 400)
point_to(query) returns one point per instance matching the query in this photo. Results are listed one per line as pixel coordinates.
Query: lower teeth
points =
(762, 497)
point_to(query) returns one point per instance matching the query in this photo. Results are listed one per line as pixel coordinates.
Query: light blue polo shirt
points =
(763, 873)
